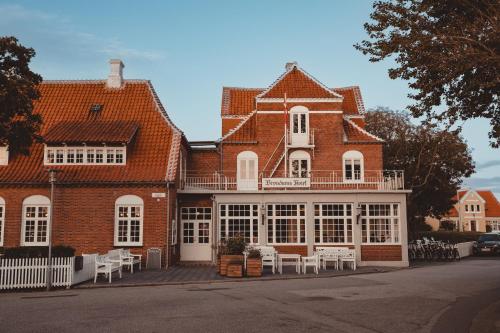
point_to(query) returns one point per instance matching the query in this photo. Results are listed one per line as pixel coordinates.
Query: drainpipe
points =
(169, 223)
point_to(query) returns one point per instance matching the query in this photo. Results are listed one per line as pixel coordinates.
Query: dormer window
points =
(85, 155)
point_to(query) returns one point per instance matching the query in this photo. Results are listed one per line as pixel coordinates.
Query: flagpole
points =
(286, 135)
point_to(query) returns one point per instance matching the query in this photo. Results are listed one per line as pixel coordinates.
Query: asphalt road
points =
(455, 297)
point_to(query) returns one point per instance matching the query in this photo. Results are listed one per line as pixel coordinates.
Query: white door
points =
(299, 129)
(247, 170)
(196, 234)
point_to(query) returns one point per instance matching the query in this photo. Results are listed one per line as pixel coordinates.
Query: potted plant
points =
(232, 253)
(254, 263)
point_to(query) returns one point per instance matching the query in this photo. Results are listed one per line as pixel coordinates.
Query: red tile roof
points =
(238, 101)
(492, 206)
(151, 158)
(92, 132)
(245, 131)
(355, 134)
(352, 102)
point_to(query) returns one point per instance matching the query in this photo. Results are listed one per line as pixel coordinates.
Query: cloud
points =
(488, 164)
(58, 33)
(491, 183)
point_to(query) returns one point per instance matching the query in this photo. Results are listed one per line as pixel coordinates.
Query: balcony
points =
(300, 140)
(371, 180)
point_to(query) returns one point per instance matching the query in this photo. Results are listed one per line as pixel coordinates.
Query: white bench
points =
(129, 259)
(105, 265)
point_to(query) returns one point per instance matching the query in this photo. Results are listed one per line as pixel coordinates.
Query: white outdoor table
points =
(290, 260)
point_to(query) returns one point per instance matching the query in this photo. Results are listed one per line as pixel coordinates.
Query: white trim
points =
(129, 201)
(272, 218)
(344, 217)
(299, 100)
(310, 111)
(391, 217)
(2, 220)
(234, 116)
(469, 192)
(85, 157)
(353, 155)
(37, 202)
(250, 218)
(232, 131)
(362, 130)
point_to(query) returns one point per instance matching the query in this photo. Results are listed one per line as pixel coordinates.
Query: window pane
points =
(295, 118)
(303, 123)
(71, 156)
(110, 156)
(79, 156)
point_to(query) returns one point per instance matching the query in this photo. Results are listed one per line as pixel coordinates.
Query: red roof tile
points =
(238, 101)
(92, 131)
(243, 132)
(354, 133)
(353, 102)
(492, 205)
(152, 157)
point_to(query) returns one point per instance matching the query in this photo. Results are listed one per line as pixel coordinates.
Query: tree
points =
(434, 161)
(19, 127)
(448, 50)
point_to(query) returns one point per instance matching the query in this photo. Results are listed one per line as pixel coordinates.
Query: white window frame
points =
(37, 202)
(129, 201)
(271, 221)
(253, 218)
(299, 138)
(494, 224)
(2, 220)
(195, 216)
(115, 150)
(392, 217)
(318, 215)
(299, 155)
(352, 156)
(247, 180)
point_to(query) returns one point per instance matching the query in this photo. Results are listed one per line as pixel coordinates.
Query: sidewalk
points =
(208, 274)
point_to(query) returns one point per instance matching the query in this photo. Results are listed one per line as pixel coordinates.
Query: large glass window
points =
(239, 220)
(85, 155)
(286, 223)
(380, 223)
(353, 166)
(36, 211)
(333, 223)
(196, 225)
(129, 220)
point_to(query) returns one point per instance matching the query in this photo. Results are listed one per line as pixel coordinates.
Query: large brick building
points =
(117, 152)
(294, 179)
(294, 168)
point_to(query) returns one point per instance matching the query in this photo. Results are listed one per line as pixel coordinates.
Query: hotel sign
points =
(286, 182)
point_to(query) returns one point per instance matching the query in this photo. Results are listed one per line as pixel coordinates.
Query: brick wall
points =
(381, 253)
(292, 249)
(84, 217)
(203, 161)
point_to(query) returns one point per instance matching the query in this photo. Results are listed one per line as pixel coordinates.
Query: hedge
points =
(449, 236)
(38, 251)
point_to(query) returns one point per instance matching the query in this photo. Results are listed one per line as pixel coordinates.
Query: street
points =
(453, 297)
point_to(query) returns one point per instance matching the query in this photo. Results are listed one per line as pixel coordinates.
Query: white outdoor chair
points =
(106, 266)
(329, 257)
(128, 259)
(268, 257)
(311, 261)
(348, 256)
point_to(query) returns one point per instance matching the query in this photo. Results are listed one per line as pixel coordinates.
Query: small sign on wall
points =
(159, 195)
(286, 182)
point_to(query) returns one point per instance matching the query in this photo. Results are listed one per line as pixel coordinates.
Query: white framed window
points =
(300, 164)
(247, 170)
(494, 225)
(196, 225)
(85, 155)
(380, 223)
(299, 125)
(239, 220)
(35, 224)
(353, 166)
(333, 223)
(2, 220)
(286, 223)
(129, 211)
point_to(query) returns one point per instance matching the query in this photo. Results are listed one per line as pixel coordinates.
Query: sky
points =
(191, 49)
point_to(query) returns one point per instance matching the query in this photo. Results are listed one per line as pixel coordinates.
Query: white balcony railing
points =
(377, 180)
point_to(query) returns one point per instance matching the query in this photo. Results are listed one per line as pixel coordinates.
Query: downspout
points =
(168, 226)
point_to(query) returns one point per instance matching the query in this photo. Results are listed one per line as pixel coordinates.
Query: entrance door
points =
(196, 233)
(473, 226)
(299, 129)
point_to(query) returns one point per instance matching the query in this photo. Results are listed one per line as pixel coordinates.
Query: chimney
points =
(115, 78)
(290, 65)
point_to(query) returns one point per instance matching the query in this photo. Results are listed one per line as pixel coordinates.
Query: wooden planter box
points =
(235, 270)
(218, 265)
(226, 260)
(254, 267)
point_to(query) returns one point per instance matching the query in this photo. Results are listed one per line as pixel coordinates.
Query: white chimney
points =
(290, 65)
(115, 78)
(4, 155)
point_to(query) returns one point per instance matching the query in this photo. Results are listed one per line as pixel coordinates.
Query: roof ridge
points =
(363, 130)
(289, 70)
(89, 81)
(243, 88)
(235, 129)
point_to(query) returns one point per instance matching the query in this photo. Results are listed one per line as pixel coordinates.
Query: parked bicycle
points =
(432, 250)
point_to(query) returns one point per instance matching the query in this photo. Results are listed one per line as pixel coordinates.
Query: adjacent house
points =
(116, 152)
(475, 210)
(294, 169)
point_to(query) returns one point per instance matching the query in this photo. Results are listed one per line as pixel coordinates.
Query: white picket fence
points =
(32, 272)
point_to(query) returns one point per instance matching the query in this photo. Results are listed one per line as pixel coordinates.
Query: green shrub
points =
(254, 254)
(38, 251)
(236, 245)
(449, 236)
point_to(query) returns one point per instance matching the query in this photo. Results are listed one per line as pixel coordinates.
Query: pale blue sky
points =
(190, 49)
